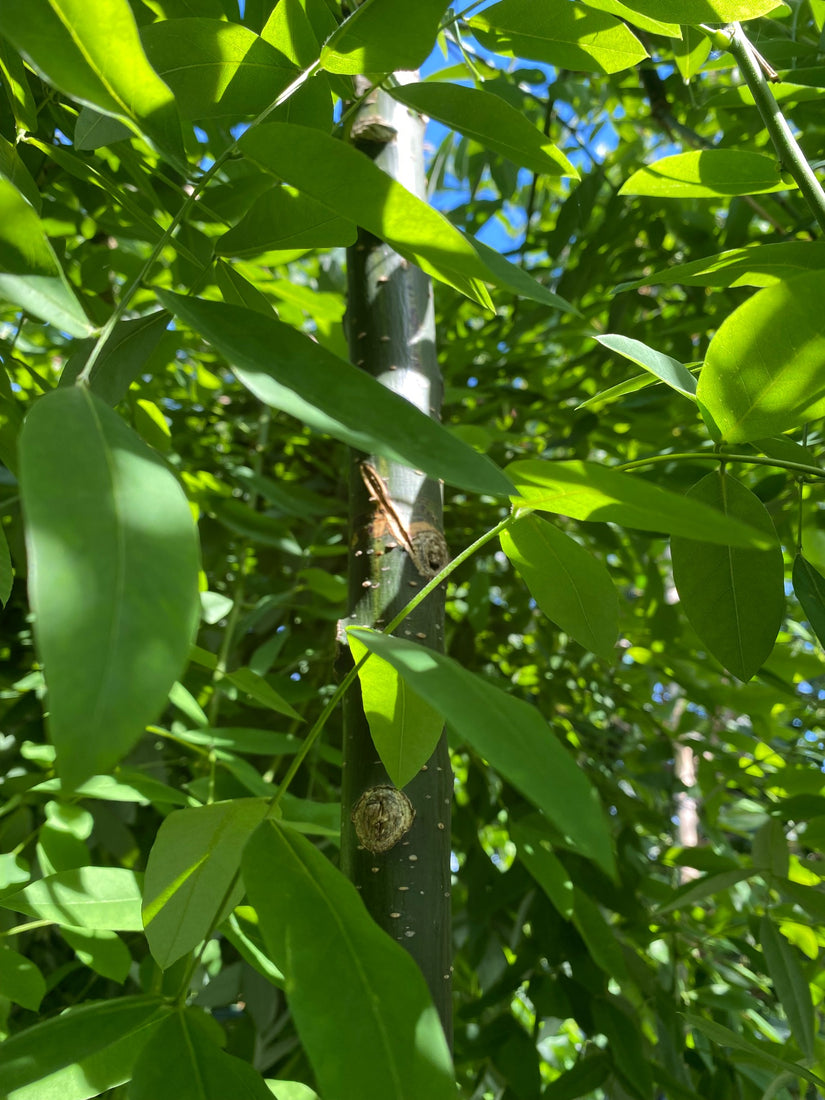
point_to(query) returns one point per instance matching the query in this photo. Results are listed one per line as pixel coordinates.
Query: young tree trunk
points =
(391, 334)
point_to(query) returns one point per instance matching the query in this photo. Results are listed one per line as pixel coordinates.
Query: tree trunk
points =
(391, 332)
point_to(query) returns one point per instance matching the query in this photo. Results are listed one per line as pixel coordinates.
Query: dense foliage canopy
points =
(624, 237)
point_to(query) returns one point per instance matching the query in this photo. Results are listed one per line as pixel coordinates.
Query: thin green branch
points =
(722, 457)
(186, 206)
(350, 677)
(787, 148)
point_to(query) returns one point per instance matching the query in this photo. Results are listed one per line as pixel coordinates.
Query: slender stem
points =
(186, 206)
(713, 456)
(350, 677)
(787, 148)
(30, 926)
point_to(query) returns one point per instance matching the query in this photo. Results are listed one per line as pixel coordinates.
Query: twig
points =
(787, 148)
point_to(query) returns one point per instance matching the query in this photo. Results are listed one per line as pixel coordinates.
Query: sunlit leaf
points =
(586, 490)
(84, 1051)
(192, 880)
(90, 897)
(359, 1001)
(571, 587)
(566, 35)
(404, 728)
(113, 576)
(287, 370)
(529, 756)
(664, 367)
(90, 49)
(20, 980)
(755, 265)
(489, 120)
(707, 174)
(809, 586)
(763, 370)
(382, 35)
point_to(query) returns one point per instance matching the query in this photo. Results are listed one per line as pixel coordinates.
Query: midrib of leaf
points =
(58, 10)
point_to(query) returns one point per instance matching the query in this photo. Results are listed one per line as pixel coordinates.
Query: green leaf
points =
(809, 586)
(81, 1053)
(19, 90)
(571, 587)
(668, 370)
(122, 359)
(690, 52)
(113, 565)
(704, 887)
(510, 734)
(382, 36)
(790, 984)
(559, 33)
(700, 11)
(257, 688)
(181, 1061)
(534, 845)
(13, 170)
(89, 897)
(488, 119)
(758, 1052)
(30, 275)
(404, 728)
(644, 22)
(626, 1043)
(101, 950)
(356, 189)
(755, 265)
(192, 879)
(586, 490)
(90, 50)
(285, 369)
(6, 569)
(763, 370)
(253, 741)
(20, 980)
(229, 71)
(584, 1078)
(360, 1003)
(707, 174)
(283, 219)
(733, 597)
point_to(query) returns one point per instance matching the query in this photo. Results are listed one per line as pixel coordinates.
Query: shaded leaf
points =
(359, 1001)
(113, 576)
(90, 49)
(707, 174)
(6, 569)
(564, 35)
(763, 370)
(759, 1052)
(285, 219)
(535, 851)
(733, 597)
(89, 897)
(699, 11)
(404, 728)
(790, 984)
(101, 950)
(181, 1061)
(809, 586)
(122, 359)
(285, 369)
(529, 756)
(355, 188)
(192, 880)
(20, 980)
(572, 588)
(586, 490)
(489, 120)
